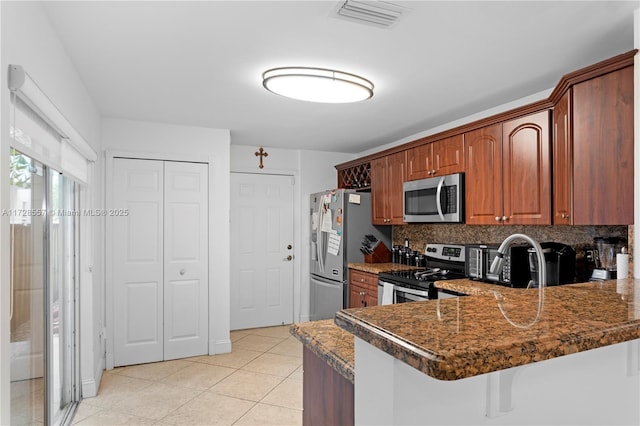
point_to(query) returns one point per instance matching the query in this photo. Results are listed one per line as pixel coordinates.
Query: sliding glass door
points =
(61, 277)
(43, 219)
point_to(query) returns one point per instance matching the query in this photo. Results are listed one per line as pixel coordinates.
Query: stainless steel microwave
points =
(438, 199)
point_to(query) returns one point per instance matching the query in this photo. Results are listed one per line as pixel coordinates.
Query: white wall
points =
(168, 141)
(28, 39)
(313, 171)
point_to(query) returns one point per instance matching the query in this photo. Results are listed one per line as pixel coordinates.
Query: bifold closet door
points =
(186, 263)
(160, 260)
(138, 261)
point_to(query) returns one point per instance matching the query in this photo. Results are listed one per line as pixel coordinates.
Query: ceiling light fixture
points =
(317, 84)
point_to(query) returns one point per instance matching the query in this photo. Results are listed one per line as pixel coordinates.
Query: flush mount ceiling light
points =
(317, 84)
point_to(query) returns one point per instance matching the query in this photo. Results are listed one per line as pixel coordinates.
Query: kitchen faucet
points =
(498, 264)
(498, 261)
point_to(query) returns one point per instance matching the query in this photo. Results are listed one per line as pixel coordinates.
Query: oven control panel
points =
(451, 252)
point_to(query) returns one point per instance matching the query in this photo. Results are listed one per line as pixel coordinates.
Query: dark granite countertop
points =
(376, 268)
(498, 327)
(329, 342)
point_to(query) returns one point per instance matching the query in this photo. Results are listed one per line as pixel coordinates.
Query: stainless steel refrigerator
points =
(340, 219)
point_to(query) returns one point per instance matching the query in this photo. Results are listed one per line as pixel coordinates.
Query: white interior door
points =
(186, 263)
(160, 260)
(261, 250)
(138, 261)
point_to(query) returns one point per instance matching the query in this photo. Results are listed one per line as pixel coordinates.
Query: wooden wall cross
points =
(261, 153)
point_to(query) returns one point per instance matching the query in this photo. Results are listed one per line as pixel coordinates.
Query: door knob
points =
(183, 271)
(289, 258)
(289, 247)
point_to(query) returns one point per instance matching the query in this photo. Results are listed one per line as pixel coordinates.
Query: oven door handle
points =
(438, 204)
(424, 294)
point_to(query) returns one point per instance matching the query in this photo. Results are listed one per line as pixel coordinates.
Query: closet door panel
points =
(185, 260)
(138, 281)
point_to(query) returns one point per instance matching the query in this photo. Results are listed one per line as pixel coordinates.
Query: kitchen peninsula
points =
(501, 358)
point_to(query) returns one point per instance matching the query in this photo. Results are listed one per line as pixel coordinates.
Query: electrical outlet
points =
(590, 256)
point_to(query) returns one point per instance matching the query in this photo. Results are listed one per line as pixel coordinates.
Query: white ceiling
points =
(200, 63)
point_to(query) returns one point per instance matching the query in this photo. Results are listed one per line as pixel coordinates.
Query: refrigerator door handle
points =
(323, 280)
(319, 247)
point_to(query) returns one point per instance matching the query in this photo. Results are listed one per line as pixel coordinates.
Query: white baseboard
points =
(90, 387)
(219, 346)
(305, 318)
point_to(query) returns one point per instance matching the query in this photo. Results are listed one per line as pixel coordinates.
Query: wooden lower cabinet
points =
(327, 397)
(363, 289)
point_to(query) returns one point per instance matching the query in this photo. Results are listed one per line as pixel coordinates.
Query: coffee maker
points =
(560, 262)
(605, 257)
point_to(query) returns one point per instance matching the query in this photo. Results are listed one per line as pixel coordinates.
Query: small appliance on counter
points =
(516, 269)
(560, 260)
(605, 257)
(521, 264)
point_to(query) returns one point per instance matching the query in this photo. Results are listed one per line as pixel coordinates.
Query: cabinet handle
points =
(361, 280)
(564, 216)
(362, 293)
(433, 172)
(497, 218)
(504, 218)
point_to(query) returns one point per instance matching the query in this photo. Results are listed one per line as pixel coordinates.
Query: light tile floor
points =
(258, 383)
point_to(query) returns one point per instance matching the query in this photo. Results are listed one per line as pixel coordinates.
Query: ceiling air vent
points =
(381, 14)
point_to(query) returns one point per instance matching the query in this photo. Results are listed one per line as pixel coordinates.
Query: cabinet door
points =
(562, 162)
(603, 149)
(364, 288)
(396, 175)
(419, 162)
(356, 298)
(371, 296)
(526, 168)
(483, 182)
(448, 155)
(379, 204)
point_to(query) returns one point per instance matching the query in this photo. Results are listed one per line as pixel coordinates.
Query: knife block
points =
(381, 254)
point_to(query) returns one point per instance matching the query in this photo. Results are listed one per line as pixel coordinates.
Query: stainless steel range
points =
(444, 262)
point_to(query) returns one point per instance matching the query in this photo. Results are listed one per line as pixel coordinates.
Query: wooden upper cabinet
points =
(483, 179)
(508, 176)
(442, 157)
(379, 209)
(562, 162)
(602, 133)
(387, 176)
(526, 170)
(419, 161)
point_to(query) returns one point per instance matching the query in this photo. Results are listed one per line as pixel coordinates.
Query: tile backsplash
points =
(579, 237)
